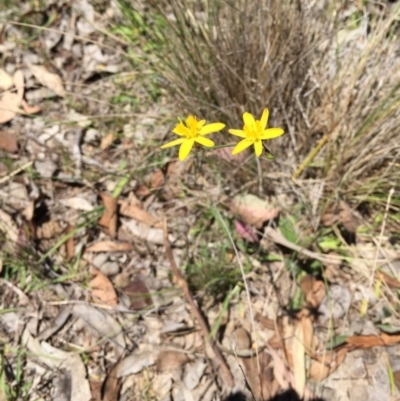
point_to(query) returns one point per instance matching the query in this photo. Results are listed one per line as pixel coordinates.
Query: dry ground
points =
(126, 274)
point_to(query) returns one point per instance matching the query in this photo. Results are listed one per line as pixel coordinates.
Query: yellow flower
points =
(254, 132)
(192, 131)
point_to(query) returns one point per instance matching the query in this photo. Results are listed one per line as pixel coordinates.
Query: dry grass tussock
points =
(329, 73)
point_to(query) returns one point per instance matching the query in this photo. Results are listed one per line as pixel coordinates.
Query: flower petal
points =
(242, 145)
(210, 128)
(173, 143)
(182, 130)
(271, 133)
(258, 147)
(185, 149)
(192, 122)
(237, 132)
(200, 124)
(204, 141)
(249, 120)
(264, 119)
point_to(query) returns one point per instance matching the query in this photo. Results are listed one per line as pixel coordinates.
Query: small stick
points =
(216, 354)
(15, 172)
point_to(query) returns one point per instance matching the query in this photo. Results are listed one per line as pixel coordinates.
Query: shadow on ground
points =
(289, 395)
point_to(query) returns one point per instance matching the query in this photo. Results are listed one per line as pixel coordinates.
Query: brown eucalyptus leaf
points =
(253, 210)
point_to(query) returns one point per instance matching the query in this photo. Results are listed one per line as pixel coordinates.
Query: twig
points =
(275, 236)
(216, 354)
(15, 172)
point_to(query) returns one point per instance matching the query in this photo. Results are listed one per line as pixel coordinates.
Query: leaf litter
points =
(120, 332)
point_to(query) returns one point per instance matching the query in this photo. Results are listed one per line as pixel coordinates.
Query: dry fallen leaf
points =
(102, 289)
(157, 179)
(313, 289)
(19, 82)
(70, 244)
(60, 360)
(298, 353)
(171, 360)
(372, 341)
(107, 141)
(9, 106)
(109, 246)
(341, 213)
(103, 325)
(77, 203)
(142, 191)
(6, 80)
(391, 281)
(8, 142)
(30, 109)
(138, 294)
(142, 230)
(322, 367)
(48, 79)
(8, 227)
(137, 213)
(137, 361)
(253, 210)
(347, 218)
(286, 332)
(310, 341)
(112, 384)
(110, 217)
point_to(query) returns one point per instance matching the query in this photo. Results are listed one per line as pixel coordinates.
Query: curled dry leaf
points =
(241, 339)
(30, 109)
(253, 210)
(8, 142)
(137, 213)
(326, 364)
(313, 289)
(102, 289)
(48, 79)
(110, 217)
(109, 246)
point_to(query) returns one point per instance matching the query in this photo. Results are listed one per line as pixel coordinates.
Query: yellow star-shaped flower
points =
(192, 131)
(254, 132)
